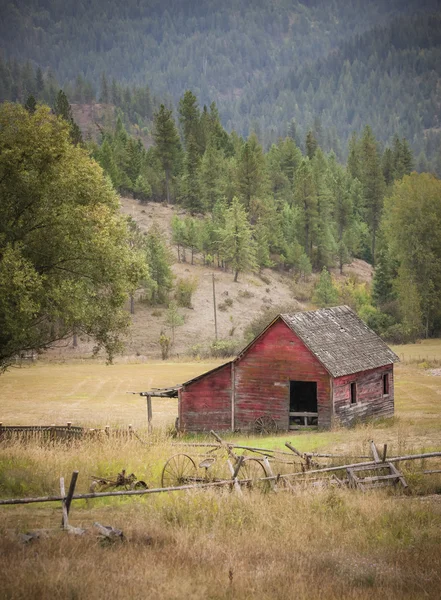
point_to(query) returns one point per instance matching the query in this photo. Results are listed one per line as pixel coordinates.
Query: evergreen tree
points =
(39, 83)
(325, 292)
(311, 145)
(190, 183)
(305, 198)
(104, 95)
(237, 244)
(382, 284)
(251, 174)
(31, 104)
(210, 175)
(373, 184)
(159, 262)
(189, 118)
(167, 142)
(354, 158)
(62, 109)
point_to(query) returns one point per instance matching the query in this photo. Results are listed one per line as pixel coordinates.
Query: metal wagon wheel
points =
(254, 470)
(180, 469)
(265, 425)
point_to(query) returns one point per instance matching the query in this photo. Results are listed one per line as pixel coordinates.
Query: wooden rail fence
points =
(51, 433)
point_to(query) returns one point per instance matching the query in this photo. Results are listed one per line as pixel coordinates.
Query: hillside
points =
(332, 66)
(251, 297)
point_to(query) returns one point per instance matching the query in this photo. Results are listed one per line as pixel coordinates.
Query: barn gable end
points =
(263, 374)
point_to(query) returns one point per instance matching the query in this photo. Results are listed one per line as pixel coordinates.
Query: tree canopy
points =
(65, 260)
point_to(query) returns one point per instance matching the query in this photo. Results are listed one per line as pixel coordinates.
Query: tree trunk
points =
(132, 304)
(236, 275)
(167, 186)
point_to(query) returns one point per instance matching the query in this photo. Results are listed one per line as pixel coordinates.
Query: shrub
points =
(184, 291)
(223, 348)
(302, 290)
(245, 294)
(227, 303)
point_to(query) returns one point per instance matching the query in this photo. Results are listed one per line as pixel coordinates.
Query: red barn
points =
(321, 367)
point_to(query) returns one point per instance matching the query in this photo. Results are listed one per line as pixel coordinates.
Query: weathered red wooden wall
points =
(206, 403)
(370, 399)
(263, 375)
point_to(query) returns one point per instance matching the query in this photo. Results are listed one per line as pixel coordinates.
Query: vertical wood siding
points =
(206, 403)
(263, 375)
(370, 399)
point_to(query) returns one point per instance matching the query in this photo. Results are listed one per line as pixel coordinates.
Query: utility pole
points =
(214, 307)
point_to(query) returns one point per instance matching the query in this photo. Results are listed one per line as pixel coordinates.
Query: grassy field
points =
(324, 544)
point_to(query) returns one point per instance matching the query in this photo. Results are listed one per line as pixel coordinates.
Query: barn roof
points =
(341, 341)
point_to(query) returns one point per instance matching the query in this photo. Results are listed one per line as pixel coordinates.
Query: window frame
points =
(353, 392)
(385, 382)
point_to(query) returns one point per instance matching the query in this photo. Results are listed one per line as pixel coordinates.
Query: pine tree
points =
(237, 244)
(167, 142)
(354, 158)
(62, 109)
(261, 238)
(382, 283)
(158, 260)
(373, 184)
(190, 182)
(210, 174)
(191, 236)
(388, 166)
(342, 214)
(325, 292)
(39, 83)
(305, 198)
(104, 96)
(189, 118)
(251, 173)
(311, 145)
(31, 104)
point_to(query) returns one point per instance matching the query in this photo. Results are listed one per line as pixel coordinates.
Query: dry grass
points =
(329, 544)
(322, 544)
(91, 393)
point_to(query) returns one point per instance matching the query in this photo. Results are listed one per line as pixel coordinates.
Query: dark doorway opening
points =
(303, 399)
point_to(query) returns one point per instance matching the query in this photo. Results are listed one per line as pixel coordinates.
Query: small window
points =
(353, 392)
(386, 384)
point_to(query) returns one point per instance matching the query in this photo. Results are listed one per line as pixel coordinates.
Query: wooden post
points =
(70, 493)
(65, 517)
(234, 477)
(233, 395)
(107, 430)
(383, 459)
(69, 424)
(374, 451)
(269, 471)
(149, 413)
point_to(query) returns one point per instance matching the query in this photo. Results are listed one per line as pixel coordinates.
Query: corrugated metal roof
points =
(341, 341)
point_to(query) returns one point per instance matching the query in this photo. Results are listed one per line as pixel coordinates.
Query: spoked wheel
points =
(253, 469)
(180, 469)
(265, 425)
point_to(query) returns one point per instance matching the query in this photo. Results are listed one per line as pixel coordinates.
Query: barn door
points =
(302, 399)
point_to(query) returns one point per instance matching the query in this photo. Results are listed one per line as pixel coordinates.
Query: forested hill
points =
(388, 77)
(256, 59)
